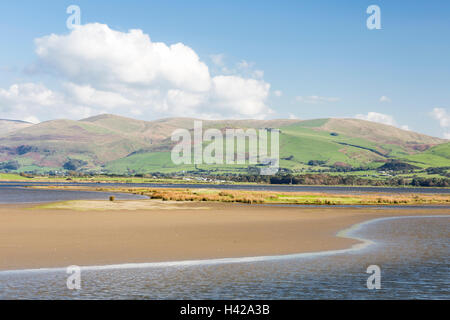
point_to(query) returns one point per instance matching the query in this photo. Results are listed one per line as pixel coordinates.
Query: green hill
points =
(114, 144)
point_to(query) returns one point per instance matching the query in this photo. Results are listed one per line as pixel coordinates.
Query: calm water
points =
(24, 195)
(285, 188)
(413, 254)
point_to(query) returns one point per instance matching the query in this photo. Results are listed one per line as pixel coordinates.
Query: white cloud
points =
(245, 65)
(243, 69)
(381, 118)
(103, 70)
(25, 101)
(94, 52)
(377, 117)
(385, 99)
(441, 115)
(218, 59)
(86, 95)
(32, 102)
(22, 94)
(31, 119)
(405, 127)
(258, 74)
(293, 116)
(228, 95)
(278, 93)
(316, 99)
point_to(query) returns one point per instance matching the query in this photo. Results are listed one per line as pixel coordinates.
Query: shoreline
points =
(269, 197)
(346, 233)
(164, 184)
(57, 238)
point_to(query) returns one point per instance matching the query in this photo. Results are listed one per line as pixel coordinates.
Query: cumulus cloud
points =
(87, 95)
(385, 99)
(441, 115)
(104, 70)
(228, 95)
(21, 101)
(94, 52)
(316, 99)
(34, 102)
(381, 118)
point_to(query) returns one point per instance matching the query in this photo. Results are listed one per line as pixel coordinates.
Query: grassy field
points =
(372, 175)
(305, 141)
(269, 197)
(12, 177)
(438, 156)
(97, 179)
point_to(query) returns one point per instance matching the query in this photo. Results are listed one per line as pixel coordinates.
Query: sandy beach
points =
(152, 231)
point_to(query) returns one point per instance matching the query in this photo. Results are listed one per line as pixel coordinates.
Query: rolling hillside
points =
(116, 144)
(7, 126)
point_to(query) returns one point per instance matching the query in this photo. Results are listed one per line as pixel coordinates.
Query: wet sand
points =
(40, 238)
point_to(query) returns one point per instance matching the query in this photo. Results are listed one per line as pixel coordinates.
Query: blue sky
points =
(318, 58)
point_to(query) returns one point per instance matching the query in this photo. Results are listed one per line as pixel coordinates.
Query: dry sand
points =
(38, 238)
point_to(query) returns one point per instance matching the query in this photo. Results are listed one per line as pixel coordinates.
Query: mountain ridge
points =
(7, 125)
(118, 144)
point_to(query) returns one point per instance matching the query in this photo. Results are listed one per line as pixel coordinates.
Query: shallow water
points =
(25, 195)
(255, 187)
(412, 252)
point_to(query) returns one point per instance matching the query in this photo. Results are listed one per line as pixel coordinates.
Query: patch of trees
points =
(10, 165)
(317, 179)
(74, 164)
(397, 166)
(438, 170)
(25, 149)
(327, 179)
(430, 182)
(316, 163)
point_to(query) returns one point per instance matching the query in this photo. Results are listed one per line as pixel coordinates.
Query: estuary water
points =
(253, 187)
(413, 254)
(9, 194)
